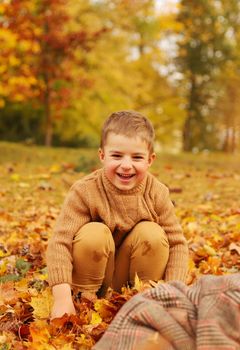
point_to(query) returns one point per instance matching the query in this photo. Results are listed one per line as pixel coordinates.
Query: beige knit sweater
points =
(95, 198)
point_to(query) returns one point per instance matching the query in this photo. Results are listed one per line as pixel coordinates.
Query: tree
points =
(18, 82)
(51, 50)
(204, 48)
(125, 67)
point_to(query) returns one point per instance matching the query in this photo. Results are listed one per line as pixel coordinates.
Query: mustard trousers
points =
(97, 264)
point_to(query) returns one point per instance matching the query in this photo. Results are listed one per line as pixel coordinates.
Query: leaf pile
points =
(206, 197)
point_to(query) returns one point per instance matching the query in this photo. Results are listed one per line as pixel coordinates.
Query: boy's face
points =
(125, 160)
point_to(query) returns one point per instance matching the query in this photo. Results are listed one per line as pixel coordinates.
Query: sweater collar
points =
(110, 187)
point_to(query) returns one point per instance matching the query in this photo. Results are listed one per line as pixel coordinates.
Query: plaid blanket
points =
(205, 316)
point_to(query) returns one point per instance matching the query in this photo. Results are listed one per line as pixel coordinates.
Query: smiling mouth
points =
(125, 176)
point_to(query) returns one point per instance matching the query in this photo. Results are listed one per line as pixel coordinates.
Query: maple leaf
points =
(105, 309)
(42, 304)
(40, 336)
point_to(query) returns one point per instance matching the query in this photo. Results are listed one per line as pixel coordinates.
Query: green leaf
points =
(22, 266)
(9, 278)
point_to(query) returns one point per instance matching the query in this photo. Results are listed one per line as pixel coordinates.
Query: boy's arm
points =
(177, 266)
(73, 216)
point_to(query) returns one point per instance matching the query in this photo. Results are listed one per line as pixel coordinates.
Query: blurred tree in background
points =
(66, 65)
(207, 50)
(38, 67)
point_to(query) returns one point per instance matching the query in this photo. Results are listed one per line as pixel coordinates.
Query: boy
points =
(117, 221)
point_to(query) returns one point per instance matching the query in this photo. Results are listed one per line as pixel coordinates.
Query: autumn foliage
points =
(205, 191)
(38, 53)
(71, 63)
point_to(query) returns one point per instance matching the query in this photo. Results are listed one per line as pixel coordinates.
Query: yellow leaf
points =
(14, 235)
(43, 276)
(67, 346)
(96, 318)
(2, 9)
(44, 176)
(25, 45)
(2, 103)
(23, 185)
(138, 284)
(209, 250)
(19, 97)
(8, 37)
(3, 68)
(216, 217)
(216, 237)
(15, 177)
(3, 264)
(3, 339)
(3, 254)
(192, 227)
(191, 264)
(22, 285)
(42, 304)
(55, 168)
(36, 47)
(14, 61)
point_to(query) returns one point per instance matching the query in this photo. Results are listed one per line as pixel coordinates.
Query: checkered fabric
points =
(205, 316)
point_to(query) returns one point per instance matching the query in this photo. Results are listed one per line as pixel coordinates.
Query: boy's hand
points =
(63, 303)
(61, 307)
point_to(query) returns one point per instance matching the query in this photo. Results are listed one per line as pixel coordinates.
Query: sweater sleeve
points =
(177, 266)
(74, 214)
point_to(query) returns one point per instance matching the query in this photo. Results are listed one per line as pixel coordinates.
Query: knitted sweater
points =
(95, 198)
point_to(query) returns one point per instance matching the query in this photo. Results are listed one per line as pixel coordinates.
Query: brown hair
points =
(128, 123)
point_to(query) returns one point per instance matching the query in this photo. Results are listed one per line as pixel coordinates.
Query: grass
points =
(193, 174)
(14, 152)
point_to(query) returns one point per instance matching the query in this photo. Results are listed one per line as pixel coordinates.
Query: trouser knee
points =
(94, 236)
(148, 233)
(93, 257)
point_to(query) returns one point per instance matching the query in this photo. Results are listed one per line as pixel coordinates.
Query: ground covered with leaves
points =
(33, 182)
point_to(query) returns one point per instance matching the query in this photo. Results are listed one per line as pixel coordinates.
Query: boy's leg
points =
(93, 257)
(145, 251)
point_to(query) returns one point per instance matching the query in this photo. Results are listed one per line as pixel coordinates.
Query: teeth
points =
(124, 175)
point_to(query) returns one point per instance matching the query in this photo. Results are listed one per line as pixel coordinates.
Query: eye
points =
(116, 156)
(138, 157)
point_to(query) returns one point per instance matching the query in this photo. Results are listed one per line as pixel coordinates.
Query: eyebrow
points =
(139, 154)
(135, 154)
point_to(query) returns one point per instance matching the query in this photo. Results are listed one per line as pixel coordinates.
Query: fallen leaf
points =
(234, 246)
(96, 318)
(42, 304)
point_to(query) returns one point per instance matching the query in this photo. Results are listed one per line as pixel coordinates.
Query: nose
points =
(126, 163)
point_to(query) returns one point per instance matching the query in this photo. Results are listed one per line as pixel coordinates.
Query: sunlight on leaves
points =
(42, 304)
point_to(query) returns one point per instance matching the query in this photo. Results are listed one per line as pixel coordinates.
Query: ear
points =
(151, 158)
(101, 154)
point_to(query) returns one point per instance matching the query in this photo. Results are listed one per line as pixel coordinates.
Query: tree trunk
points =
(187, 135)
(233, 140)
(226, 139)
(48, 133)
(48, 115)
